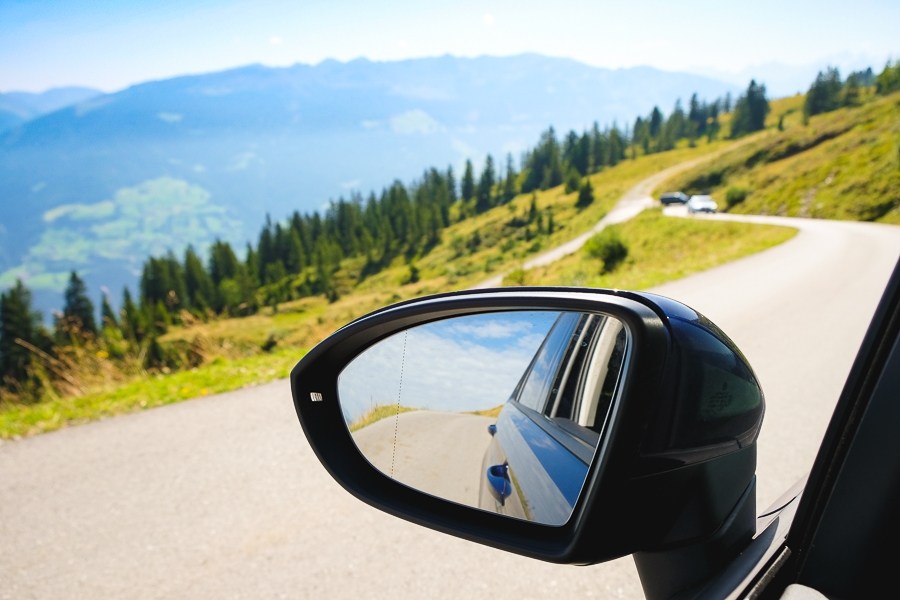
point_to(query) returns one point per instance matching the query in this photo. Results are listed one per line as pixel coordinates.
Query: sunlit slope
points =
(257, 140)
(841, 165)
(659, 249)
(470, 251)
(237, 352)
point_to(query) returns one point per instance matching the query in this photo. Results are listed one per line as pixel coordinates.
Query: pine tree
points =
(750, 111)
(223, 263)
(542, 165)
(468, 182)
(509, 185)
(656, 122)
(17, 321)
(573, 180)
(616, 148)
(824, 94)
(109, 316)
(585, 194)
(251, 265)
(485, 185)
(451, 184)
(599, 149)
(533, 209)
(850, 93)
(296, 258)
(198, 283)
(133, 322)
(78, 309)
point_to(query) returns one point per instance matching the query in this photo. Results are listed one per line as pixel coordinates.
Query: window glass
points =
(546, 363)
(594, 374)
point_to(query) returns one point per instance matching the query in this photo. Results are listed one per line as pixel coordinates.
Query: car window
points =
(589, 380)
(536, 388)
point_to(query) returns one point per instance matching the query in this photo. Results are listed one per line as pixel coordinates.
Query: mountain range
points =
(100, 184)
(17, 108)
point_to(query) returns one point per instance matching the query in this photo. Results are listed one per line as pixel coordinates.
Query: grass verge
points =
(660, 249)
(220, 375)
(378, 413)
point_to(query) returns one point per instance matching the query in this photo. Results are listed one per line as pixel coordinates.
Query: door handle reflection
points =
(498, 477)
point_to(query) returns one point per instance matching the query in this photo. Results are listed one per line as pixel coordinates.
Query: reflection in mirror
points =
(501, 411)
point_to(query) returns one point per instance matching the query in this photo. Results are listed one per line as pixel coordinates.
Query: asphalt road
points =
(439, 453)
(221, 497)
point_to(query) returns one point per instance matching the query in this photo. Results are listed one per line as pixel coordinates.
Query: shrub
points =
(585, 194)
(515, 277)
(736, 195)
(573, 180)
(609, 247)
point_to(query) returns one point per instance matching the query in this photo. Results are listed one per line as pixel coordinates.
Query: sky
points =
(109, 44)
(462, 364)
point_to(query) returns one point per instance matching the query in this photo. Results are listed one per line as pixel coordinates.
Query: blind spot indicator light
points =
(315, 396)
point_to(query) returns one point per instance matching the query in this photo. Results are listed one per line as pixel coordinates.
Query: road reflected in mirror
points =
(500, 411)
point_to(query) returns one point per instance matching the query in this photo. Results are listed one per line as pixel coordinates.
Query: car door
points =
(546, 434)
(834, 534)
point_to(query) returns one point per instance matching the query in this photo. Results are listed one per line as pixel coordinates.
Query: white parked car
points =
(701, 204)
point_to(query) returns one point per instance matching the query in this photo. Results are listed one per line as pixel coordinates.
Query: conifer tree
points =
(509, 185)
(17, 321)
(468, 182)
(585, 194)
(198, 283)
(296, 258)
(533, 209)
(485, 185)
(599, 148)
(133, 325)
(251, 266)
(824, 94)
(78, 308)
(451, 184)
(656, 122)
(223, 263)
(616, 148)
(750, 111)
(850, 93)
(108, 315)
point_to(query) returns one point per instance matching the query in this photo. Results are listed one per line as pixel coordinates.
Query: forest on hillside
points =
(299, 256)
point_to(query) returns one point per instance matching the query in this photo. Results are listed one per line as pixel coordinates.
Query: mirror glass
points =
(500, 411)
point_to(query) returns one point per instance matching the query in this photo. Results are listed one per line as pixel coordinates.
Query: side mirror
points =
(569, 425)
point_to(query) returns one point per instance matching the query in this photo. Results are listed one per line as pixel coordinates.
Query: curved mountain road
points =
(222, 497)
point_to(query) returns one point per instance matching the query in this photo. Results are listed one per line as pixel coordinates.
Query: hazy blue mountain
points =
(98, 185)
(18, 107)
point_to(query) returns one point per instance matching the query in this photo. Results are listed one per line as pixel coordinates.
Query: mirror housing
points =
(677, 461)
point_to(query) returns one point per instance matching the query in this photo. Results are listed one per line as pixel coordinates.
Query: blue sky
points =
(110, 45)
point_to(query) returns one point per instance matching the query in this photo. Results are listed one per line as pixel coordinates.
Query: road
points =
(439, 453)
(633, 202)
(222, 497)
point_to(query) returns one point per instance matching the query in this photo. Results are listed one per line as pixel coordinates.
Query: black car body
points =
(674, 198)
(546, 434)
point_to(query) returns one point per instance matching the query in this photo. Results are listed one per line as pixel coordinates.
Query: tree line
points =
(828, 92)
(300, 256)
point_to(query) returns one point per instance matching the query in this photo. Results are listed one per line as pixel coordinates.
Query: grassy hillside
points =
(841, 165)
(237, 352)
(659, 249)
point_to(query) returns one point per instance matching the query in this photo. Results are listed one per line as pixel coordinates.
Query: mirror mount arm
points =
(683, 572)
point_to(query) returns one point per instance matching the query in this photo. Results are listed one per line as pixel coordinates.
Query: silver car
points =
(698, 204)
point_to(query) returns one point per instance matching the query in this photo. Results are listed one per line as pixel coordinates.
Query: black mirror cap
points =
(675, 461)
